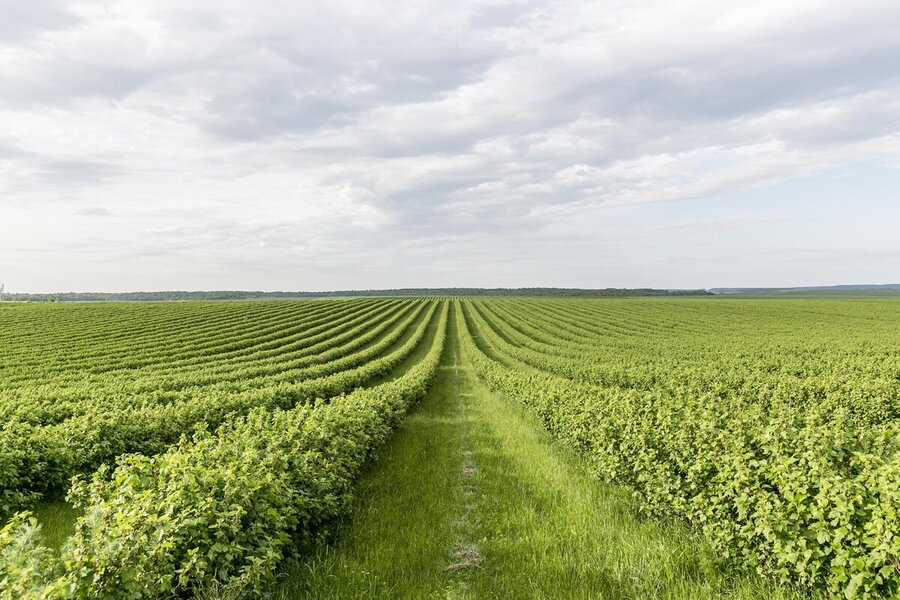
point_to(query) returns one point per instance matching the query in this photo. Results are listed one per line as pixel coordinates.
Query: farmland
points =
(473, 447)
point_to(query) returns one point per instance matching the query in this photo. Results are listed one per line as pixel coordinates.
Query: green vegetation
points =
(565, 447)
(216, 512)
(826, 291)
(471, 499)
(402, 292)
(89, 409)
(770, 426)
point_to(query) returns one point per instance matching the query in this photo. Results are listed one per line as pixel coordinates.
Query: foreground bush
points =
(810, 496)
(217, 511)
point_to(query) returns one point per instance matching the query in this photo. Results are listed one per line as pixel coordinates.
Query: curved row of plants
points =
(159, 351)
(108, 332)
(803, 493)
(217, 511)
(53, 403)
(78, 322)
(36, 461)
(862, 382)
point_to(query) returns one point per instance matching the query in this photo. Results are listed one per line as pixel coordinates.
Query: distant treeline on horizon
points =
(239, 295)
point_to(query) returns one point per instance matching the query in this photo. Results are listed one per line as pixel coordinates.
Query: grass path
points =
(399, 543)
(471, 499)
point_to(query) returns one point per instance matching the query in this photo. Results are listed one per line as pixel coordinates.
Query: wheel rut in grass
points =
(465, 555)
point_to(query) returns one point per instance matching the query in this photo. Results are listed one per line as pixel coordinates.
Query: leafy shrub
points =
(218, 510)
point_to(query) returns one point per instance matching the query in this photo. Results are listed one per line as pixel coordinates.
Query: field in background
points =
(210, 441)
(812, 294)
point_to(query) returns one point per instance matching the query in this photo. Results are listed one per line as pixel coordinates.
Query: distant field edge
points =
(399, 292)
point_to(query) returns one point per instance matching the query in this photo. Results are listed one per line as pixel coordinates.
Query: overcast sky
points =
(270, 145)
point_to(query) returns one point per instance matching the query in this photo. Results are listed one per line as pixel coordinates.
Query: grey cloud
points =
(294, 87)
(23, 19)
(11, 151)
(502, 14)
(76, 172)
(849, 120)
(63, 82)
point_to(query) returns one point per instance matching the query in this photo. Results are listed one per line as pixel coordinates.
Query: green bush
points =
(219, 510)
(808, 494)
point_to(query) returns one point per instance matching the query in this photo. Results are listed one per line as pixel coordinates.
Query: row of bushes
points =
(217, 511)
(805, 496)
(104, 337)
(56, 392)
(36, 461)
(864, 384)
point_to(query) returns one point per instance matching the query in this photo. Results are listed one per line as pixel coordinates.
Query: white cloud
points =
(259, 136)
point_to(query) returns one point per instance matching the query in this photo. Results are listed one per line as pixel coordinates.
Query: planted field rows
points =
(201, 445)
(772, 427)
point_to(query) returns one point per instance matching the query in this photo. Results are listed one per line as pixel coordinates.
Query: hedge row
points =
(218, 511)
(36, 461)
(51, 393)
(805, 496)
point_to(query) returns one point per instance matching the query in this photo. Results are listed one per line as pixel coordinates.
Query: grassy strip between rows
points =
(471, 498)
(403, 516)
(217, 513)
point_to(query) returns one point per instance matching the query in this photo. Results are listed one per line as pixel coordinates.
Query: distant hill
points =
(245, 295)
(885, 289)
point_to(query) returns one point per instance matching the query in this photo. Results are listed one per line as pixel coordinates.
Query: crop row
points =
(39, 460)
(157, 349)
(217, 511)
(864, 382)
(51, 403)
(806, 492)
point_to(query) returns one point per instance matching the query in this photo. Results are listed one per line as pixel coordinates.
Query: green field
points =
(451, 448)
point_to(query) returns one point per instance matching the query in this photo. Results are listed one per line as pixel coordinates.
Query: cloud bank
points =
(321, 145)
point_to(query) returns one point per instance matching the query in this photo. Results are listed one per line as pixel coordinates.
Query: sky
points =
(276, 145)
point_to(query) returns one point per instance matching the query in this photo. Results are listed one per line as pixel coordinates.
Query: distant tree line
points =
(238, 295)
